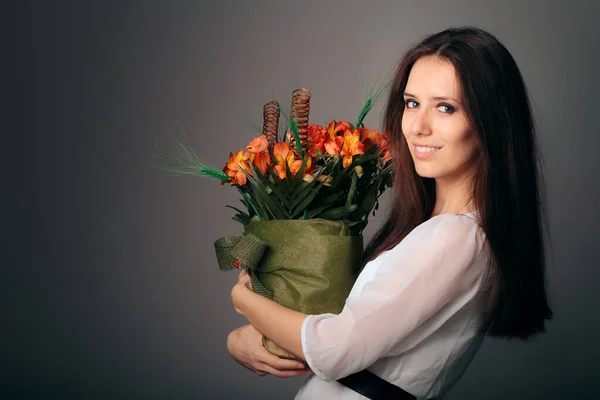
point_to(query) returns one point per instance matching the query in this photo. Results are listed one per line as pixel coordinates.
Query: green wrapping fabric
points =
(243, 252)
(306, 265)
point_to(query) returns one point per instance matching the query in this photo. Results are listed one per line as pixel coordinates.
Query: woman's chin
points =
(424, 173)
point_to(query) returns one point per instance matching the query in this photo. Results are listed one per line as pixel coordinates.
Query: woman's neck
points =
(453, 197)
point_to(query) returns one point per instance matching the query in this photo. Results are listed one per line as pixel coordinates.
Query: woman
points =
(461, 254)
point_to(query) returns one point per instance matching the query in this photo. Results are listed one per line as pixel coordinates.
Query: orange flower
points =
(352, 146)
(333, 141)
(384, 147)
(258, 145)
(335, 127)
(308, 170)
(262, 161)
(372, 137)
(316, 139)
(284, 155)
(333, 146)
(235, 167)
(369, 137)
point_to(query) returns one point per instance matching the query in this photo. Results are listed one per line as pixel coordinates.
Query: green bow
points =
(243, 252)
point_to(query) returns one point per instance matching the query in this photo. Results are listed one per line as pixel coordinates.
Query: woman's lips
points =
(423, 155)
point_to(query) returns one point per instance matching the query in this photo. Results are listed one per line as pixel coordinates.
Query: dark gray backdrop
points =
(108, 265)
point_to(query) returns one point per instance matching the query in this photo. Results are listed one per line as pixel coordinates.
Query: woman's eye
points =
(449, 108)
(409, 102)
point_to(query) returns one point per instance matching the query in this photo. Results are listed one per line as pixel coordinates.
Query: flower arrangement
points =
(308, 193)
(334, 172)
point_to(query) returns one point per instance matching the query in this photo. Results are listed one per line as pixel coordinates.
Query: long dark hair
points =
(508, 187)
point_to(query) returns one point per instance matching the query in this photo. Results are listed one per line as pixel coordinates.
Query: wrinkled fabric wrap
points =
(307, 265)
(242, 252)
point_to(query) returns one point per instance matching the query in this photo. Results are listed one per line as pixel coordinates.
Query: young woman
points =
(460, 255)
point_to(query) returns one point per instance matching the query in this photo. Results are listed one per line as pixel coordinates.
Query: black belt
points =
(375, 388)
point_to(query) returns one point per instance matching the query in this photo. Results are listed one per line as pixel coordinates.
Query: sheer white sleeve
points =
(433, 266)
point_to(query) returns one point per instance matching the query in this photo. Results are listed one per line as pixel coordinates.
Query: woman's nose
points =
(421, 124)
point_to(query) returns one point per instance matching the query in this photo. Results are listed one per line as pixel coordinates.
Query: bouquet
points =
(307, 193)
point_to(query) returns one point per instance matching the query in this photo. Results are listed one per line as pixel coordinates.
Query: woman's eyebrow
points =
(433, 98)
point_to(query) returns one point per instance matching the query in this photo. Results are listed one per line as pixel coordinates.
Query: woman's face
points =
(435, 118)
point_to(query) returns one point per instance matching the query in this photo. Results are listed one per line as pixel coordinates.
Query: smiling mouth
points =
(425, 149)
(423, 153)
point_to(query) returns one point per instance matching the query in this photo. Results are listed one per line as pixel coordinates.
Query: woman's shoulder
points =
(441, 234)
(446, 244)
(465, 226)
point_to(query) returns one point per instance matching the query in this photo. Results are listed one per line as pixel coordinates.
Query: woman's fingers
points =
(288, 373)
(281, 363)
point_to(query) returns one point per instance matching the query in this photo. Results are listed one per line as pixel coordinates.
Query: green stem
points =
(251, 204)
(352, 190)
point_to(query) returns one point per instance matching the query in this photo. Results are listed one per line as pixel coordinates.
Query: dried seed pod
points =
(299, 114)
(271, 122)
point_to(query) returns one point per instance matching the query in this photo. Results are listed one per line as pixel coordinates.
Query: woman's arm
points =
(281, 325)
(246, 347)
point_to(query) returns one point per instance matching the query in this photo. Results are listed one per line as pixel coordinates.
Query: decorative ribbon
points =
(243, 252)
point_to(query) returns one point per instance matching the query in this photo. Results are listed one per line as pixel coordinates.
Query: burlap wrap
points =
(306, 265)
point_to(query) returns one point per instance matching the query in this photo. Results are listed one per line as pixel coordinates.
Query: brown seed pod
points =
(299, 114)
(271, 122)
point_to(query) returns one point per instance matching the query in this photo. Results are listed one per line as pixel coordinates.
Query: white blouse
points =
(413, 317)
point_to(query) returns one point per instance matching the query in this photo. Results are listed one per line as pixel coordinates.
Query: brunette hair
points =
(508, 186)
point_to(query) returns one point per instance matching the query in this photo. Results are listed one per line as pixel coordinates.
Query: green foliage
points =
(334, 193)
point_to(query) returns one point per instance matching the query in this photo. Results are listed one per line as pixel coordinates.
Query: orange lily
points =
(369, 137)
(235, 167)
(262, 161)
(284, 155)
(352, 146)
(333, 141)
(334, 127)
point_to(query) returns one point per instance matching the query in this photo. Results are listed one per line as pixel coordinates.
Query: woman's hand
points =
(244, 279)
(245, 346)
(237, 292)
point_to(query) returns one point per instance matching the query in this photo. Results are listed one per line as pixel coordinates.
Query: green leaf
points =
(307, 190)
(314, 213)
(306, 201)
(240, 219)
(254, 207)
(336, 214)
(334, 197)
(239, 211)
(298, 189)
(259, 190)
(276, 190)
(282, 184)
(363, 159)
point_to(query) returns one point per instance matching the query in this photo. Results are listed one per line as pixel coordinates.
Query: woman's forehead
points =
(432, 77)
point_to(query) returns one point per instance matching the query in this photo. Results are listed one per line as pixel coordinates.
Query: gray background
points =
(111, 283)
